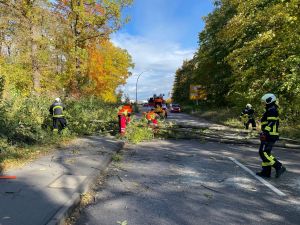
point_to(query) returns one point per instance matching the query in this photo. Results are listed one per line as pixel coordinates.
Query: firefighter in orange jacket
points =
(151, 117)
(122, 116)
(128, 108)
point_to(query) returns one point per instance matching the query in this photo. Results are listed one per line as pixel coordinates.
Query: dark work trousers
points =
(252, 122)
(59, 123)
(119, 122)
(122, 124)
(268, 160)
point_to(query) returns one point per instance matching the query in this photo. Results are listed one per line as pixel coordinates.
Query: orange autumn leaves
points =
(107, 69)
(99, 67)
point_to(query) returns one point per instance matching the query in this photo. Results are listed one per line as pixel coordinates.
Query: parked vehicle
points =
(175, 108)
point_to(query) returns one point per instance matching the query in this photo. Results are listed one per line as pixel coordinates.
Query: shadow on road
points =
(188, 182)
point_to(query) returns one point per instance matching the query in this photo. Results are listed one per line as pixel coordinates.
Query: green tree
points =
(249, 48)
(26, 42)
(210, 69)
(267, 51)
(182, 82)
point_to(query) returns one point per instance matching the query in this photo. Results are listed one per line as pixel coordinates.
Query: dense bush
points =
(27, 120)
(25, 124)
(22, 119)
(89, 115)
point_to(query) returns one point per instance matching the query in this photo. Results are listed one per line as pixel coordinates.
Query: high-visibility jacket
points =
(125, 110)
(122, 111)
(248, 113)
(56, 110)
(151, 116)
(270, 120)
(128, 108)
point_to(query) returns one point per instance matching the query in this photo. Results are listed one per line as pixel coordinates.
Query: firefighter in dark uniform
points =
(268, 136)
(56, 110)
(247, 116)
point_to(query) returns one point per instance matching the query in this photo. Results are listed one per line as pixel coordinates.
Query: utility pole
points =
(136, 85)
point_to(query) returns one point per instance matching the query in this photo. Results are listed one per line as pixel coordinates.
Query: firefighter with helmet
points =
(151, 117)
(56, 110)
(268, 136)
(247, 117)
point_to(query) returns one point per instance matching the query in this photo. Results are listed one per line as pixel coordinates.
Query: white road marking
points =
(277, 191)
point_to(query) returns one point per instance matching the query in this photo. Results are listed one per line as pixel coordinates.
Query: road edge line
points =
(266, 183)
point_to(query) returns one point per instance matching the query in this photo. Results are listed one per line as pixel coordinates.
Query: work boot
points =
(265, 172)
(280, 171)
(55, 132)
(263, 175)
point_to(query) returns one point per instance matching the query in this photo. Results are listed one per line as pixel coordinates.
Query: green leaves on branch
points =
(248, 48)
(138, 131)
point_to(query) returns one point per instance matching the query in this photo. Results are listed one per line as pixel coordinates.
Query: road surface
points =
(195, 182)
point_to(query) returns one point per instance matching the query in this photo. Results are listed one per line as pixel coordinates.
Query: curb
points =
(63, 213)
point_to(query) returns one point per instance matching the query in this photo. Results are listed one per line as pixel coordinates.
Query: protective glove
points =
(263, 136)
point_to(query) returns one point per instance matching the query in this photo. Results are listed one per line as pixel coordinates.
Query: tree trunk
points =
(36, 75)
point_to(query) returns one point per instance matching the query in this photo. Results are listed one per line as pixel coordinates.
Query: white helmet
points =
(268, 98)
(248, 106)
(57, 100)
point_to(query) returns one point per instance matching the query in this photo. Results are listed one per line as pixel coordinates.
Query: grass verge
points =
(15, 156)
(230, 117)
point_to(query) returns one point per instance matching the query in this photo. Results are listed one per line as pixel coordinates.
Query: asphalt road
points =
(194, 182)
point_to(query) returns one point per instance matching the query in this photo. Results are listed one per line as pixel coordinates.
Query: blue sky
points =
(160, 35)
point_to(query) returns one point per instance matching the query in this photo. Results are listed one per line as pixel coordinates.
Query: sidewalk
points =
(44, 190)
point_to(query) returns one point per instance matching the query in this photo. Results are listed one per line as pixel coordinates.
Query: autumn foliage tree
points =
(48, 46)
(107, 69)
(58, 48)
(86, 22)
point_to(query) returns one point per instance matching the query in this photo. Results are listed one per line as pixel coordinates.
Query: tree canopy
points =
(62, 47)
(247, 48)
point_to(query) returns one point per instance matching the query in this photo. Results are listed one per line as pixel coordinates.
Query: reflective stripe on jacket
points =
(270, 120)
(248, 113)
(122, 111)
(56, 110)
